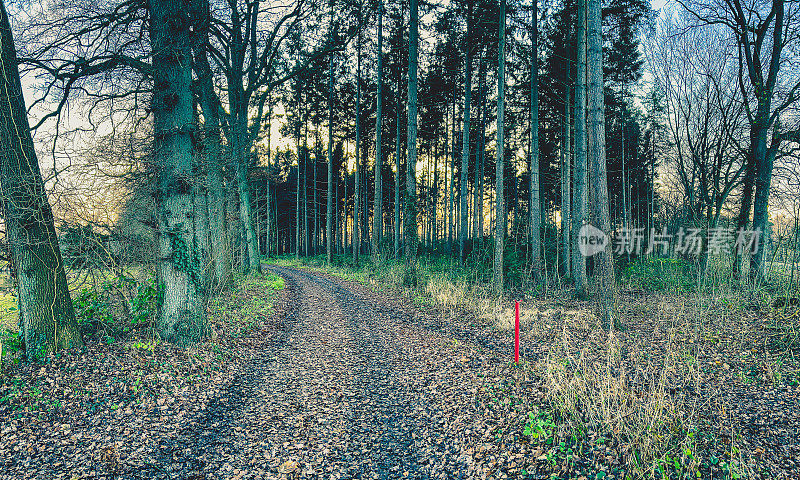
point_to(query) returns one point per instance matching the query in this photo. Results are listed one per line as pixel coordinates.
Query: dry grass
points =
(673, 393)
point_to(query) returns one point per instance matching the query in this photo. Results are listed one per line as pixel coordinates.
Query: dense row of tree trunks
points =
(47, 319)
(500, 223)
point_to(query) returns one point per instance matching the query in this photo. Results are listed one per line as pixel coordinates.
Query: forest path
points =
(353, 389)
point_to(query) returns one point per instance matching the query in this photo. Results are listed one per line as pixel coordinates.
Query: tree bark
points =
(581, 197)
(500, 227)
(45, 308)
(410, 216)
(604, 262)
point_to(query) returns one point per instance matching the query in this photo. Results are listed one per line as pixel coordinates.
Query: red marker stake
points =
(516, 332)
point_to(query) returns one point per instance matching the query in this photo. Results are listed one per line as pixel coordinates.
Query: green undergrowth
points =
(246, 307)
(136, 367)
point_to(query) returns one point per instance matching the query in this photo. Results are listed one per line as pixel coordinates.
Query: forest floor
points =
(342, 380)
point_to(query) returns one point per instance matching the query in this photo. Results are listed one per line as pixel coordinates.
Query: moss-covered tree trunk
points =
(180, 318)
(48, 319)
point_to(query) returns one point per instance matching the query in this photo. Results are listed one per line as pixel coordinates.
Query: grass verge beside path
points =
(692, 384)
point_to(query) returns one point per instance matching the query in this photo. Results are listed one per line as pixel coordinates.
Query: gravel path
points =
(353, 389)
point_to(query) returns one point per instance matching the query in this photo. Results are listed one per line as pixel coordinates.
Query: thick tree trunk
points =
(500, 227)
(581, 196)
(604, 261)
(377, 213)
(534, 203)
(763, 180)
(45, 308)
(181, 318)
(410, 216)
(462, 234)
(212, 141)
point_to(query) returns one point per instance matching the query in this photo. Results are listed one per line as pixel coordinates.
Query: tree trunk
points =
(604, 261)
(566, 161)
(534, 204)
(241, 158)
(267, 193)
(297, 192)
(45, 308)
(479, 159)
(315, 204)
(500, 227)
(357, 194)
(410, 217)
(397, 173)
(763, 180)
(377, 213)
(212, 140)
(451, 150)
(329, 198)
(581, 196)
(181, 318)
(462, 184)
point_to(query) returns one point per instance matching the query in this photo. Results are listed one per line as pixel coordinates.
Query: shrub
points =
(106, 313)
(659, 274)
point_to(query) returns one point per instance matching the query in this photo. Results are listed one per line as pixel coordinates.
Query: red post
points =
(516, 332)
